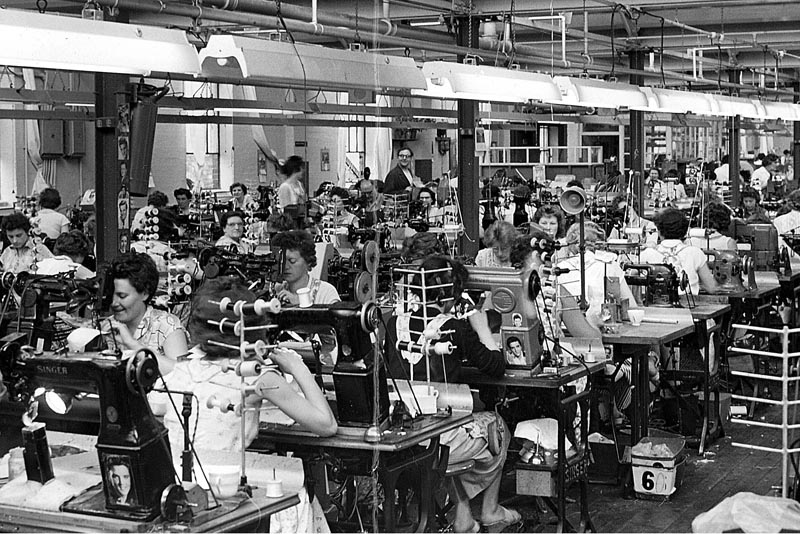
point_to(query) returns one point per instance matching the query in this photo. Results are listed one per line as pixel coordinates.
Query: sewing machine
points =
(353, 325)
(729, 270)
(130, 437)
(660, 282)
(505, 295)
(265, 269)
(763, 241)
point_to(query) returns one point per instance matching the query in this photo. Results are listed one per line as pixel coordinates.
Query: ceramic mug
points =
(224, 479)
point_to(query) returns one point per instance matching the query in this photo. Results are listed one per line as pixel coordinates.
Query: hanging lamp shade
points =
(593, 93)
(672, 101)
(36, 40)
(233, 57)
(486, 84)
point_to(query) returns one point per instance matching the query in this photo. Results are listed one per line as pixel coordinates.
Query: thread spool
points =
(223, 405)
(304, 297)
(248, 369)
(442, 348)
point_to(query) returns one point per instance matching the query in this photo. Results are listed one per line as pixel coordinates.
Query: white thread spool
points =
(304, 297)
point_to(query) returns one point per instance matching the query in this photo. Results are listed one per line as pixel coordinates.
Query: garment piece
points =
(18, 260)
(51, 223)
(598, 267)
(64, 264)
(691, 259)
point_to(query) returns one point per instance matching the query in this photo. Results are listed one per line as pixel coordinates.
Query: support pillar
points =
(468, 176)
(637, 140)
(734, 150)
(796, 140)
(108, 181)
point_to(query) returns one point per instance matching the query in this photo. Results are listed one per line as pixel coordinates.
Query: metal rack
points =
(788, 375)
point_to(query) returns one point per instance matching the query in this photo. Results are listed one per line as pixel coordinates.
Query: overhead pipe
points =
(288, 11)
(524, 54)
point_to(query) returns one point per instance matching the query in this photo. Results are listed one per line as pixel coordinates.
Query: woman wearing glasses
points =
(232, 223)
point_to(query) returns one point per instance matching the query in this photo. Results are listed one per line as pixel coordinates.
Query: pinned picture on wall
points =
(124, 242)
(123, 118)
(324, 159)
(123, 209)
(122, 148)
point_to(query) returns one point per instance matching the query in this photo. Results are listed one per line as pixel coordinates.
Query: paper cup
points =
(224, 479)
(304, 297)
(636, 317)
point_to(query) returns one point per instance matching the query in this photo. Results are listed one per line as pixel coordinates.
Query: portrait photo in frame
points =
(119, 481)
(517, 348)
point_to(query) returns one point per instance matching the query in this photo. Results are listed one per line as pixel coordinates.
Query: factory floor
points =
(722, 471)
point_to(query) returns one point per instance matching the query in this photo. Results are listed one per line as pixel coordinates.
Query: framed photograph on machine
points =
(517, 348)
(119, 481)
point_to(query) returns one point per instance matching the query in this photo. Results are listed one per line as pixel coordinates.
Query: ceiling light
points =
(593, 93)
(30, 39)
(778, 110)
(486, 84)
(730, 106)
(270, 111)
(672, 101)
(233, 57)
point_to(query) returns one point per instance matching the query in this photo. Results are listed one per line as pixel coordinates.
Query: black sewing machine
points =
(353, 325)
(660, 282)
(729, 270)
(131, 443)
(763, 241)
(266, 268)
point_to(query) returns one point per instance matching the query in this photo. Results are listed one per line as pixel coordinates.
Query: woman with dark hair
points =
(291, 192)
(22, 253)
(157, 200)
(485, 440)
(49, 221)
(420, 246)
(241, 200)
(621, 209)
(551, 219)
(342, 217)
(499, 238)
(232, 223)
(136, 324)
(751, 210)
(202, 374)
(301, 257)
(718, 220)
(672, 226)
(71, 249)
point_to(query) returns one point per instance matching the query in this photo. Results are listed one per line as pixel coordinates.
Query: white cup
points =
(304, 297)
(224, 479)
(425, 397)
(636, 316)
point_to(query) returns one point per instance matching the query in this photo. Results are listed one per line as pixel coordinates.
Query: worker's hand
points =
(287, 297)
(123, 335)
(288, 361)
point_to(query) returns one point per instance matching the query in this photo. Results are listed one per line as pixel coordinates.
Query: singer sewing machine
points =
(265, 269)
(729, 270)
(660, 282)
(505, 295)
(353, 325)
(763, 241)
(129, 434)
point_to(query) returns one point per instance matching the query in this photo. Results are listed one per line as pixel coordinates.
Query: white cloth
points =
(786, 223)
(691, 260)
(51, 223)
(63, 264)
(760, 179)
(487, 258)
(715, 241)
(598, 267)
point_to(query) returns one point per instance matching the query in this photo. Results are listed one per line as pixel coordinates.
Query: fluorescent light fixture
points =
(778, 110)
(672, 101)
(417, 23)
(730, 106)
(593, 93)
(233, 57)
(31, 39)
(270, 111)
(486, 84)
